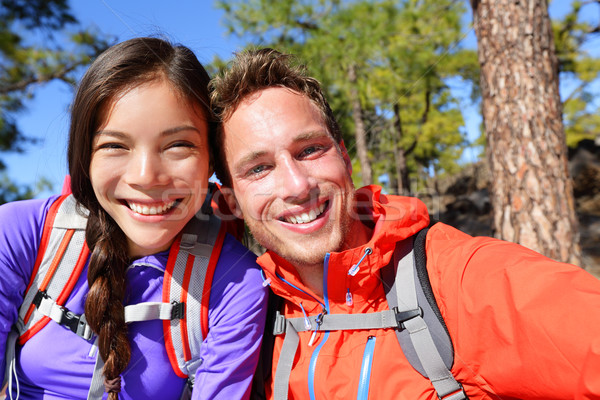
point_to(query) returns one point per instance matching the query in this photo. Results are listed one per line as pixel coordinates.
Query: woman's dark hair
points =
(120, 68)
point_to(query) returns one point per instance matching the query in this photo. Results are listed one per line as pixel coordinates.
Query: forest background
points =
(403, 78)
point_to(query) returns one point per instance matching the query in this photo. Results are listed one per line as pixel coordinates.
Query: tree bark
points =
(531, 191)
(359, 127)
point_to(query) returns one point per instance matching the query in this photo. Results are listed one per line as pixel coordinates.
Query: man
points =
(522, 326)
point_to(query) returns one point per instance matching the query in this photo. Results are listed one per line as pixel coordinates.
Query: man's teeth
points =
(151, 210)
(306, 217)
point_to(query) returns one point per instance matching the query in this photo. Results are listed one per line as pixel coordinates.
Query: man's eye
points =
(258, 169)
(309, 150)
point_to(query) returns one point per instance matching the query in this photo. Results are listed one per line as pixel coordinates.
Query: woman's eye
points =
(110, 146)
(182, 144)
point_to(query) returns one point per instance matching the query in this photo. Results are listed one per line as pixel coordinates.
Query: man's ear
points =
(232, 203)
(346, 157)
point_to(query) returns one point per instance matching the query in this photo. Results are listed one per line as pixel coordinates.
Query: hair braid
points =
(104, 308)
(122, 67)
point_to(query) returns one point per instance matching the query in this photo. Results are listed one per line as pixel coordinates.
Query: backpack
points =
(63, 254)
(413, 312)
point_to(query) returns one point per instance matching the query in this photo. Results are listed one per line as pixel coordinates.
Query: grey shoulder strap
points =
(424, 340)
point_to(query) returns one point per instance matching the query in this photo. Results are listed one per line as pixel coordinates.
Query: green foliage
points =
(579, 70)
(402, 53)
(40, 41)
(9, 191)
(580, 123)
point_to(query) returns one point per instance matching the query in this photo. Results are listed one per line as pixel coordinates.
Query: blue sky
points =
(194, 23)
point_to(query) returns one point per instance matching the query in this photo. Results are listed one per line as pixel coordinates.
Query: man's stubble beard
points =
(306, 253)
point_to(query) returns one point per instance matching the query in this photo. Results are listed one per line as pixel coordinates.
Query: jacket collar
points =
(395, 218)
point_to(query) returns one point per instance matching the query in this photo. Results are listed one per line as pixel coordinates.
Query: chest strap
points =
(344, 322)
(147, 311)
(76, 323)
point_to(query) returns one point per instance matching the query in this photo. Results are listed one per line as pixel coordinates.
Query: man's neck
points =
(312, 275)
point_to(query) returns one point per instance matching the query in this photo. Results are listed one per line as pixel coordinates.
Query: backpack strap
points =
(62, 255)
(265, 359)
(186, 287)
(425, 340)
(184, 309)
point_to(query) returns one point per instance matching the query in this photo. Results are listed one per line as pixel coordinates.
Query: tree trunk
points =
(359, 126)
(531, 191)
(400, 156)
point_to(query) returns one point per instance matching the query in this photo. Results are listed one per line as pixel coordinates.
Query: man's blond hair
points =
(250, 72)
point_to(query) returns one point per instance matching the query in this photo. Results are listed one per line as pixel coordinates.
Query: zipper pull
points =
(307, 323)
(349, 301)
(319, 321)
(266, 281)
(354, 269)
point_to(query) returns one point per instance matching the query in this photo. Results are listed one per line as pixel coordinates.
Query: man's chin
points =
(301, 261)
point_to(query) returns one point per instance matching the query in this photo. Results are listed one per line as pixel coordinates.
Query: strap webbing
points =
(97, 386)
(149, 311)
(342, 322)
(286, 360)
(420, 336)
(11, 370)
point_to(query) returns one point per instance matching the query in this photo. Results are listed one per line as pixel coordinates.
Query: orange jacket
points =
(523, 326)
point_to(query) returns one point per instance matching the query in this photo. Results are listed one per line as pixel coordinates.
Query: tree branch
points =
(23, 84)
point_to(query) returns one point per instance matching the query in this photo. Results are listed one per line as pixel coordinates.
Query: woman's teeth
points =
(151, 210)
(307, 216)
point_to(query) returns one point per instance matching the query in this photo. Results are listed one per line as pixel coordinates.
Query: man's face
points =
(291, 183)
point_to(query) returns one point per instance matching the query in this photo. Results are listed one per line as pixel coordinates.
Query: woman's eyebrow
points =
(166, 132)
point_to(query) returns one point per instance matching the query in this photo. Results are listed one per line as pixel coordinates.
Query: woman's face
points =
(150, 165)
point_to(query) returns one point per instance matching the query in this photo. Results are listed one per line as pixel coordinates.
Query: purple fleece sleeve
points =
(237, 311)
(21, 225)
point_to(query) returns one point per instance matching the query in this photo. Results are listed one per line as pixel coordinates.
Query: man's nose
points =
(295, 181)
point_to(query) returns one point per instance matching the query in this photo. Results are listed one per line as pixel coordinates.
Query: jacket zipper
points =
(315, 354)
(365, 370)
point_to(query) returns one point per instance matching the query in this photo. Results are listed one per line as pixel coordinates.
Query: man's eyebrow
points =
(248, 158)
(311, 135)
(303, 137)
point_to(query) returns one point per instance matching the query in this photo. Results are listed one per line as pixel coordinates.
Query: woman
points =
(139, 164)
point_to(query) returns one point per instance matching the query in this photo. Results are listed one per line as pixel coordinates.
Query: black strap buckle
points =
(39, 296)
(75, 323)
(178, 310)
(404, 316)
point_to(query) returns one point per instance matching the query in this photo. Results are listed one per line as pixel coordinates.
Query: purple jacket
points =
(57, 364)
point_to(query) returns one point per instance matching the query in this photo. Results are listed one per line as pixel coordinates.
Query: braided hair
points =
(120, 68)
